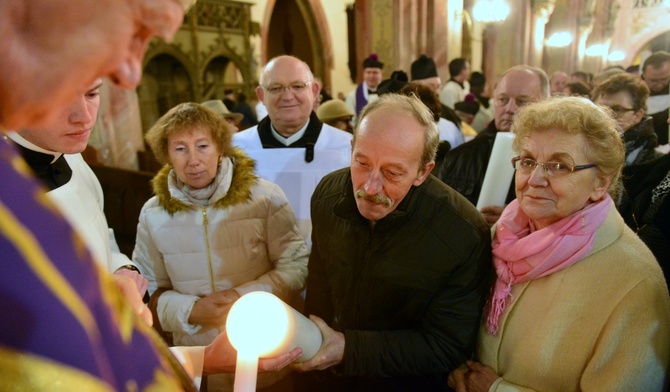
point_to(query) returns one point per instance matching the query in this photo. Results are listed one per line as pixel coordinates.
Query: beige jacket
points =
(602, 324)
(248, 241)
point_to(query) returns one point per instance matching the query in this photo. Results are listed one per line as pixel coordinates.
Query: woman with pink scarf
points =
(579, 302)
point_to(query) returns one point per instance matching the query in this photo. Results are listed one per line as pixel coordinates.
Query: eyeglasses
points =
(551, 169)
(662, 81)
(619, 110)
(295, 88)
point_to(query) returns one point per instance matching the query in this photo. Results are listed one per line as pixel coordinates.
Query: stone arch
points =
(248, 83)
(644, 41)
(166, 82)
(636, 24)
(316, 38)
(161, 48)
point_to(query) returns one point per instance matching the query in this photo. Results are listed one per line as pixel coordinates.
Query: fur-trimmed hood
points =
(243, 180)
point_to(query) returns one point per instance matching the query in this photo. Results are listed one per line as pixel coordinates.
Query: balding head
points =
(49, 61)
(558, 81)
(518, 86)
(288, 91)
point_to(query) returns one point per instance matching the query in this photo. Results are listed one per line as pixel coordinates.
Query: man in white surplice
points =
(291, 147)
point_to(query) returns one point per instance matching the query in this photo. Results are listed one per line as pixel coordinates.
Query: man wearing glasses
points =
(464, 167)
(656, 73)
(626, 95)
(291, 147)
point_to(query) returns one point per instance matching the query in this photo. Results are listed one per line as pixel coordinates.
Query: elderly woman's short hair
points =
(631, 84)
(188, 117)
(576, 116)
(396, 103)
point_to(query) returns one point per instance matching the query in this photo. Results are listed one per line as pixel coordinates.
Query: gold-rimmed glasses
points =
(551, 169)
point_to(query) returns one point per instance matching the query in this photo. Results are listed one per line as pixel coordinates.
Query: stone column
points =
(584, 28)
(541, 11)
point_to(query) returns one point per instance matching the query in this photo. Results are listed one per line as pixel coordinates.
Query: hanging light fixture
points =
(596, 50)
(616, 56)
(559, 39)
(490, 11)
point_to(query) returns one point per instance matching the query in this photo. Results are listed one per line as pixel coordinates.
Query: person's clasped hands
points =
(212, 310)
(472, 377)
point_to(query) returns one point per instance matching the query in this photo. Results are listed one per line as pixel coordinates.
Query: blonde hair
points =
(187, 117)
(413, 106)
(576, 116)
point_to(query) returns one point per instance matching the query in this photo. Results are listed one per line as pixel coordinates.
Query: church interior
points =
(336, 195)
(223, 44)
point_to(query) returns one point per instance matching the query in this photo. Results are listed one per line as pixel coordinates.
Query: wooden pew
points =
(125, 192)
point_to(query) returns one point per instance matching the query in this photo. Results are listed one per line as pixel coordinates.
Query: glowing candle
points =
(261, 325)
(499, 172)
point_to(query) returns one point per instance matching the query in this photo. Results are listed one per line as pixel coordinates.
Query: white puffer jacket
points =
(248, 241)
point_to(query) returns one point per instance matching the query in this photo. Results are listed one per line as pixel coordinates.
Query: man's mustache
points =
(379, 199)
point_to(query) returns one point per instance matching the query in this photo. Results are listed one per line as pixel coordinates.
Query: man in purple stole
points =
(64, 324)
(367, 90)
(60, 313)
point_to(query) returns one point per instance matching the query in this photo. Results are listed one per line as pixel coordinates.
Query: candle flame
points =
(258, 323)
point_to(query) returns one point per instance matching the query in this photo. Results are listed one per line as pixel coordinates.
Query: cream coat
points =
(602, 324)
(247, 241)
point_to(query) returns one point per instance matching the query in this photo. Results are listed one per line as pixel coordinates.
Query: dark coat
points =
(464, 167)
(652, 224)
(660, 121)
(407, 292)
(641, 141)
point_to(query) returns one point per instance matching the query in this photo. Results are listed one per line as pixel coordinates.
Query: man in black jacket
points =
(656, 73)
(400, 263)
(464, 167)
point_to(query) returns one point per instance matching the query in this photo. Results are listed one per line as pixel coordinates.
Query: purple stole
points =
(361, 101)
(58, 305)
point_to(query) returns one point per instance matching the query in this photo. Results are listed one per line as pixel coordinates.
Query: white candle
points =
(261, 325)
(499, 172)
(246, 371)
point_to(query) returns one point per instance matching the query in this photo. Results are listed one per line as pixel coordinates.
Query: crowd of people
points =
(367, 227)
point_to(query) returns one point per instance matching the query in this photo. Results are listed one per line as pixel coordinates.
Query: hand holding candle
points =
(331, 352)
(261, 325)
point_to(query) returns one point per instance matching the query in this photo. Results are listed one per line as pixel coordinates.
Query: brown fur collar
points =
(240, 188)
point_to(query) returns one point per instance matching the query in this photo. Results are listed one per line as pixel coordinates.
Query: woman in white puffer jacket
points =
(214, 231)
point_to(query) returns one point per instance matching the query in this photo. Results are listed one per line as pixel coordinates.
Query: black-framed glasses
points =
(661, 81)
(551, 169)
(296, 88)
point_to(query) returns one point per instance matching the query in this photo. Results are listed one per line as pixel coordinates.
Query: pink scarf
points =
(521, 253)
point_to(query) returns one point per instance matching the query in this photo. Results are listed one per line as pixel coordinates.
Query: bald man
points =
(558, 81)
(464, 168)
(291, 146)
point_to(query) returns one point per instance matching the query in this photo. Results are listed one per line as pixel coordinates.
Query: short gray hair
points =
(576, 116)
(413, 106)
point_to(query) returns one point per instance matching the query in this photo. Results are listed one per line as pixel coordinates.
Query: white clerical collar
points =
(287, 141)
(370, 89)
(18, 139)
